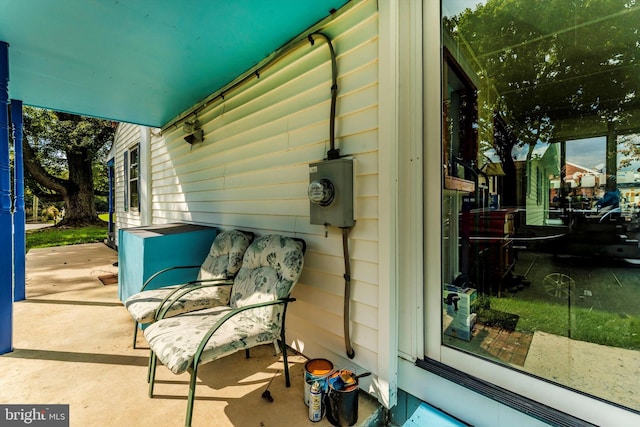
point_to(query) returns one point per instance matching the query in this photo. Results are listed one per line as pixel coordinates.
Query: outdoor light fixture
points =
(193, 131)
(196, 136)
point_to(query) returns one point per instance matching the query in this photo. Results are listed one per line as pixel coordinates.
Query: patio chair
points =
(211, 288)
(256, 315)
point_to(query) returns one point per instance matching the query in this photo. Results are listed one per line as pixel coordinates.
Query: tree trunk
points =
(79, 198)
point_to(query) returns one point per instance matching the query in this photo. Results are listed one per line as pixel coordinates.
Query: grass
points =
(579, 323)
(53, 236)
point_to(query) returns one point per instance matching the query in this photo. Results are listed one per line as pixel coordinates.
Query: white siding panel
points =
(361, 99)
(126, 136)
(367, 185)
(316, 285)
(251, 172)
(366, 229)
(358, 122)
(364, 144)
(330, 321)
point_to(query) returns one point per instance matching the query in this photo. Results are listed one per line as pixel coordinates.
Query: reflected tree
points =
(562, 70)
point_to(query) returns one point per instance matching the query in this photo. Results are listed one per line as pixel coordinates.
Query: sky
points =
(453, 7)
(587, 153)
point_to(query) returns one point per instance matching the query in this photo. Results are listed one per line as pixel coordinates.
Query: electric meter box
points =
(331, 193)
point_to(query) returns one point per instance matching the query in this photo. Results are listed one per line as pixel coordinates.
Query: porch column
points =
(19, 217)
(111, 239)
(6, 241)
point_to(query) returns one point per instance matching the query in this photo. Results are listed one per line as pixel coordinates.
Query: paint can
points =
(316, 370)
(341, 400)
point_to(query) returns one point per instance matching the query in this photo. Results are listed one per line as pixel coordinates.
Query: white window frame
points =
(130, 177)
(561, 398)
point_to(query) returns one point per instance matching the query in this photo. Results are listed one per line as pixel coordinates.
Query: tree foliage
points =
(61, 153)
(556, 59)
(562, 69)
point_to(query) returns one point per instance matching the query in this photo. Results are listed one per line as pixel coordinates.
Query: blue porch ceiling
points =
(141, 61)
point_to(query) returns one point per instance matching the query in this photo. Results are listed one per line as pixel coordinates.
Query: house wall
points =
(534, 203)
(252, 171)
(128, 135)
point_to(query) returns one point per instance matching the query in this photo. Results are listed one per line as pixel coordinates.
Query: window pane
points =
(134, 200)
(133, 191)
(541, 189)
(134, 156)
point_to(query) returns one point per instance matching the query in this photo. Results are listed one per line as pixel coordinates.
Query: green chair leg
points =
(152, 375)
(135, 334)
(192, 395)
(149, 366)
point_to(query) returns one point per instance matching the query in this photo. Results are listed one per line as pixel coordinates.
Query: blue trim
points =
(6, 242)
(19, 216)
(151, 89)
(110, 173)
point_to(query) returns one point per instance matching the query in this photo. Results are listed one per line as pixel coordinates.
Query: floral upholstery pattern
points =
(270, 269)
(223, 262)
(225, 256)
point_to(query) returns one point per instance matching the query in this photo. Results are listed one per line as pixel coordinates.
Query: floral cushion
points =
(225, 256)
(270, 269)
(142, 306)
(223, 261)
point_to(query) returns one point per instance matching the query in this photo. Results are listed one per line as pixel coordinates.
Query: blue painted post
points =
(6, 241)
(110, 171)
(19, 217)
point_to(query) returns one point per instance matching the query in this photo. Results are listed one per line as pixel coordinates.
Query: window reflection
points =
(541, 189)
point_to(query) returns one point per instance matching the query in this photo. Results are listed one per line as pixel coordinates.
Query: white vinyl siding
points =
(251, 172)
(127, 135)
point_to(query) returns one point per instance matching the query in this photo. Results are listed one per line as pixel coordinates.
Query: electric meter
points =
(321, 191)
(330, 193)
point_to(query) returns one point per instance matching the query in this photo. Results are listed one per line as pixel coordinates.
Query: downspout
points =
(19, 216)
(6, 241)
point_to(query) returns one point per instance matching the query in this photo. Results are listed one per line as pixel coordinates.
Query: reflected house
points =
(629, 185)
(542, 186)
(576, 222)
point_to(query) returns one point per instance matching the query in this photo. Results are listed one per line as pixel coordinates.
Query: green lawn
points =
(53, 236)
(579, 323)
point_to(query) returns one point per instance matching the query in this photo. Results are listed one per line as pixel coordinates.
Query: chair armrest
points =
(165, 270)
(230, 314)
(185, 289)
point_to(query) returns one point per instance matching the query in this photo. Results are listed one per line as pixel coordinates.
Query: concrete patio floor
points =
(72, 345)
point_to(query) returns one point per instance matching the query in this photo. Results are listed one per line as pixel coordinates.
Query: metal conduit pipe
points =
(332, 153)
(347, 292)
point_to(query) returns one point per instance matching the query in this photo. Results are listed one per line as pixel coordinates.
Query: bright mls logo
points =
(34, 415)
